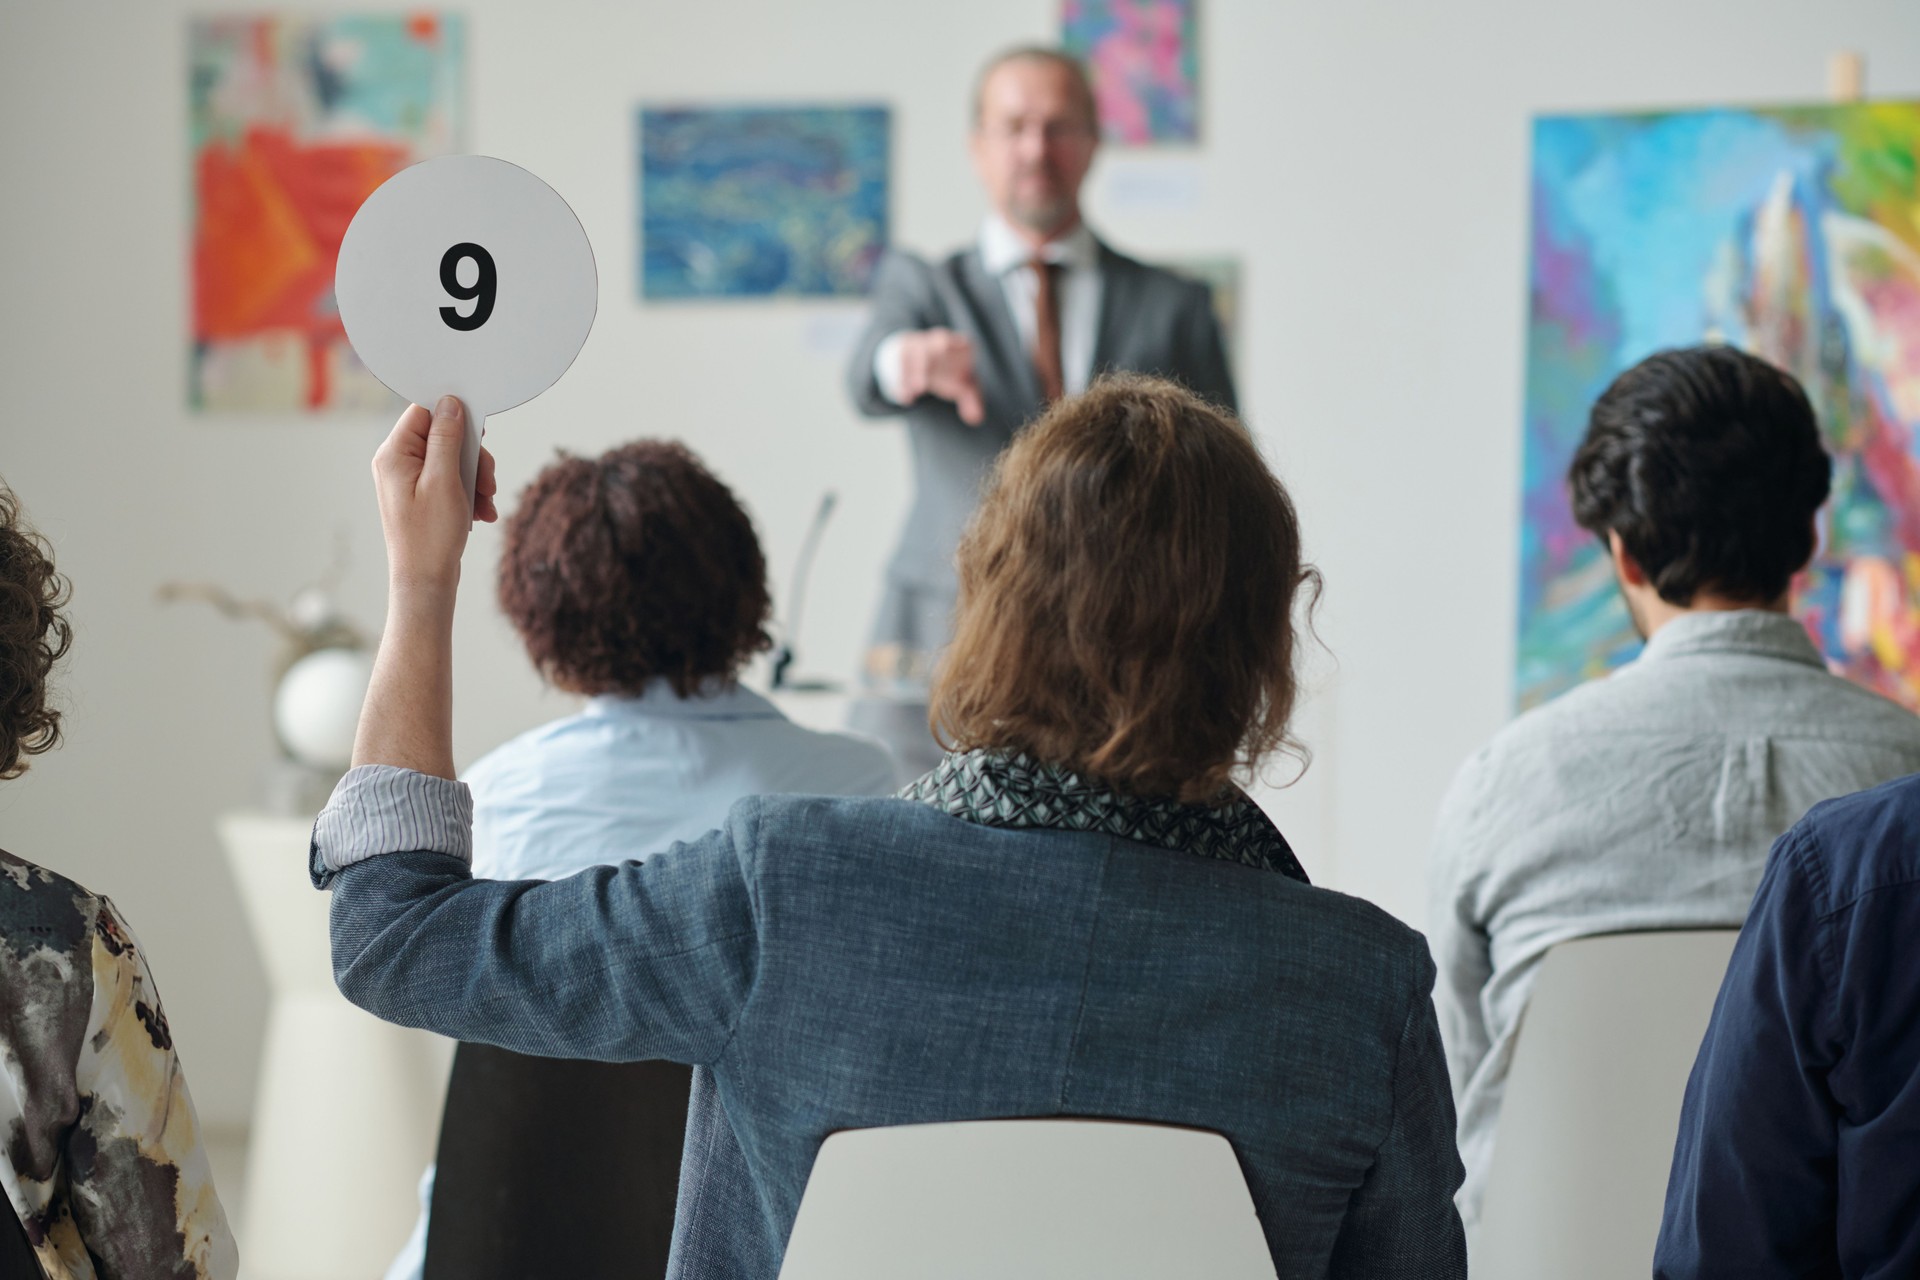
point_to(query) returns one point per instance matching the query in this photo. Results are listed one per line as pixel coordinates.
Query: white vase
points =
(316, 709)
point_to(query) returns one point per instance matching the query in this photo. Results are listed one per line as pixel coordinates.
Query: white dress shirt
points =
(1005, 255)
(630, 776)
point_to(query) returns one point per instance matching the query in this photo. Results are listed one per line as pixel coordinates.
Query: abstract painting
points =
(751, 202)
(1143, 57)
(1791, 232)
(294, 122)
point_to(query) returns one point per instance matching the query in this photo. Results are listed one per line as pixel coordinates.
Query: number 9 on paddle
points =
(466, 276)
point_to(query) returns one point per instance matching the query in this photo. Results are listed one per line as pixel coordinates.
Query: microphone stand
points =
(809, 547)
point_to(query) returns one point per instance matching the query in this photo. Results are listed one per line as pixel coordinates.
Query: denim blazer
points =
(849, 963)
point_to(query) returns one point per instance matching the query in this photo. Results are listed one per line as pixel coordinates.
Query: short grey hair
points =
(1075, 69)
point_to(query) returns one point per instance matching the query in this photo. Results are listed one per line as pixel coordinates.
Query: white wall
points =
(1367, 160)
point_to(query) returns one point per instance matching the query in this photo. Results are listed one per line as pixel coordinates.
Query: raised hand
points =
(407, 720)
(423, 505)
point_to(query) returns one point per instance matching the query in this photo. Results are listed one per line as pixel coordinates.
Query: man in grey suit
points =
(969, 348)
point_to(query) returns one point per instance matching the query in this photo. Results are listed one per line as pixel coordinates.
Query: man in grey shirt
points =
(1649, 799)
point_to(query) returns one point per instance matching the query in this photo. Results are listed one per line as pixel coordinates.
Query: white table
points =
(821, 709)
(348, 1109)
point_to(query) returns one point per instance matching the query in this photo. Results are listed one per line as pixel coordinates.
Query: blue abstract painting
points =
(751, 202)
(1792, 232)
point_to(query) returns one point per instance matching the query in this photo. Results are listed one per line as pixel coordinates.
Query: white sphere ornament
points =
(316, 709)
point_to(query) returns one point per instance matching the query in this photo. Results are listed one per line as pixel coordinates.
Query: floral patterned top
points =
(103, 1163)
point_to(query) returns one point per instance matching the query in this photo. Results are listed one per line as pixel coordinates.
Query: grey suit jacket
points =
(1151, 321)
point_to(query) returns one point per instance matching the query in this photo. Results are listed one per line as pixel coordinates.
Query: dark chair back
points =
(550, 1167)
(17, 1258)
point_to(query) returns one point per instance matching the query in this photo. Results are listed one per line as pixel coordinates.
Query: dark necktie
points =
(1046, 329)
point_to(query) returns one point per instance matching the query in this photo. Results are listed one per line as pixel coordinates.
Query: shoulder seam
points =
(1086, 974)
(1393, 1078)
(749, 885)
(1839, 909)
(1802, 847)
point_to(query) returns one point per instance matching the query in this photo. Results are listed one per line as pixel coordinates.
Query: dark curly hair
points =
(1707, 462)
(33, 636)
(634, 565)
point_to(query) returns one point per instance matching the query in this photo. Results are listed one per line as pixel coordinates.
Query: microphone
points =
(809, 546)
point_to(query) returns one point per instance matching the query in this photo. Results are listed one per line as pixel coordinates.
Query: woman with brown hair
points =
(103, 1171)
(1076, 914)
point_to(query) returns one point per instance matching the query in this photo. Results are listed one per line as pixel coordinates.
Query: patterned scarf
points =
(997, 789)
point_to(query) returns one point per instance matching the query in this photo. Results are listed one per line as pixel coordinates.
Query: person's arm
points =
(907, 352)
(618, 963)
(1455, 929)
(899, 301)
(407, 718)
(143, 1196)
(1203, 352)
(1402, 1221)
(1753, 1189)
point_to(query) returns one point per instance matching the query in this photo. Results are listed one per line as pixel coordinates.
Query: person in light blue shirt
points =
(656, 768)
(635, 577)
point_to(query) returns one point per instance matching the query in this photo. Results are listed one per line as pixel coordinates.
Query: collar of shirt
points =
(1002, 249)
(1760, 632)
(715, 700)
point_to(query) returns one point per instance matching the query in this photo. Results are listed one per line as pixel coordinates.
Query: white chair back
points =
(1026, 1200)
(1592, 1105)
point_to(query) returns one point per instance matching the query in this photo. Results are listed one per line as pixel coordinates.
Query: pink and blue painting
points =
(753, 202)
(1143, 58)
(1792, 232)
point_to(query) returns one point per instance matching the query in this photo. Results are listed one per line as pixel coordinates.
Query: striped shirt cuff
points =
(378, 809)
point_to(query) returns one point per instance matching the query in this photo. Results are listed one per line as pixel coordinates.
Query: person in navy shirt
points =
(1799, 1145)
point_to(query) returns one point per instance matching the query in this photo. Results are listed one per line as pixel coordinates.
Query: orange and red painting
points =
(295, 122)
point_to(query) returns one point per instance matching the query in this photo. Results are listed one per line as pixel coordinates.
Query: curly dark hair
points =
(33, 636)
(634, 565)
(1127, 597)
(1707, 462)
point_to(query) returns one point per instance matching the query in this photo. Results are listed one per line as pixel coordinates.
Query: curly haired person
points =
(634, 580)
(103, 1167)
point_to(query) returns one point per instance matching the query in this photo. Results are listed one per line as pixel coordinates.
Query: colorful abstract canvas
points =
(1143, 57)
(751, 202)
(1793, 233)
(294, 122)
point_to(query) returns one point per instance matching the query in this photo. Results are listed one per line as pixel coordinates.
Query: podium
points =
(348, 1107)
